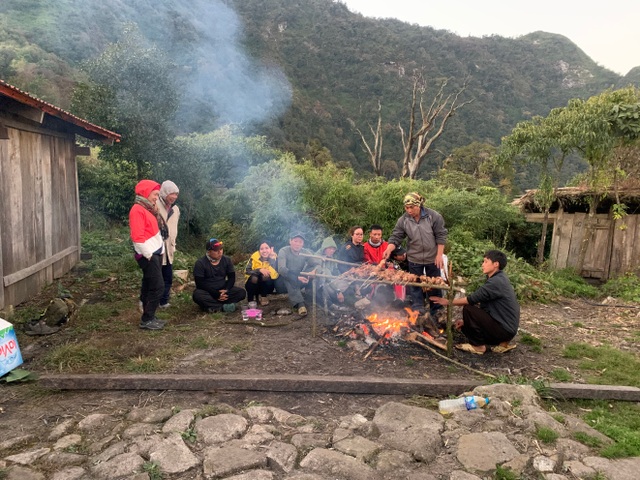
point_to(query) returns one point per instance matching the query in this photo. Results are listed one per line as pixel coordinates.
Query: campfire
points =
(386, 328)
(392, 325)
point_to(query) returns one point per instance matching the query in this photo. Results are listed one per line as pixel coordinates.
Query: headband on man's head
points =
(413, 198)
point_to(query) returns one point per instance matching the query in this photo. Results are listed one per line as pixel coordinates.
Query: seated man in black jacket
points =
(215, 278)
(491, 314)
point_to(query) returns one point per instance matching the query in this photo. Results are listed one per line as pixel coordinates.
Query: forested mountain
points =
(306, 73)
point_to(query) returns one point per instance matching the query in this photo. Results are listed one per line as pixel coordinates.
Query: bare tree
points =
(417, 141)
(375, 153)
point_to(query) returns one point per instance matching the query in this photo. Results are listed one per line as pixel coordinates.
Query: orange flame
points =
(390, 325)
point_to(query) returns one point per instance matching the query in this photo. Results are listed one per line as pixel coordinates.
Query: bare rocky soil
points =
(285, 345)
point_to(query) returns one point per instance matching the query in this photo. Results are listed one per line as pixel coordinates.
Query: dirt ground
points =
(285, 345)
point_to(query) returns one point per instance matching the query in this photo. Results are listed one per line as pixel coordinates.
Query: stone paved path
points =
(398, 441)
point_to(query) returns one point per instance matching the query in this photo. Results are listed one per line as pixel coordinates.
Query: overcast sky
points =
(606, 31)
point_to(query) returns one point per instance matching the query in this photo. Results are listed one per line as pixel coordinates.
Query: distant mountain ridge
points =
(339, 64)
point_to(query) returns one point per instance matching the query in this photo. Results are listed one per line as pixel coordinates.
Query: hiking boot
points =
(302, 310)
(154, 324)
(164, 305)
(229, 307)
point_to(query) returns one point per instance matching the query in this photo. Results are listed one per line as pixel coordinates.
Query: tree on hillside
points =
(130, 90)
(545, 143)
(625, 122)
(422, 132)
(595, 129)
(598, 132)
(479, 161)
(374, 151)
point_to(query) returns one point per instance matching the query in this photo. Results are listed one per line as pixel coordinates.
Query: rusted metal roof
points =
(26, 99)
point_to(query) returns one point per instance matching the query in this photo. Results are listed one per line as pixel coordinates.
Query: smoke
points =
(219, 78)
(219, 83)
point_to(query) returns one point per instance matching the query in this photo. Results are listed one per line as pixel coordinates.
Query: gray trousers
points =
(294, 291)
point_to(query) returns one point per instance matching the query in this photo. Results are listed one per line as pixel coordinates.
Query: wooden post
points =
(450, 296)
(324, 291)
(314, 323)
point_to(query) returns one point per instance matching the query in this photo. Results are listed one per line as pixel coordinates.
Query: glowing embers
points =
(391, 325)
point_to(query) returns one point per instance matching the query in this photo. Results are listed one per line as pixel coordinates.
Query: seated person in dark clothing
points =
(491, 314)
(215, 278)
(353, 250)
(399, 258)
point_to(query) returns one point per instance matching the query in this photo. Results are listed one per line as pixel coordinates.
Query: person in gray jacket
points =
(426, 237)
(290, 265)
(491, 314)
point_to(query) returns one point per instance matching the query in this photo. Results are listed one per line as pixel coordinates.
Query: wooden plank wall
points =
(596, 262)
(4, 175)
(614, 250)
(625, 246)
(39, 185)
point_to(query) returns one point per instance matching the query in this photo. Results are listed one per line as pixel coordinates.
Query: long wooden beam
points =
(313, 384)
(36, 267)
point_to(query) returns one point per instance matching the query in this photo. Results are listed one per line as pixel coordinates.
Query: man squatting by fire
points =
(491, 314)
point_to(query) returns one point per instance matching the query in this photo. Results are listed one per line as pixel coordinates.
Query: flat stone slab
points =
(482, 451)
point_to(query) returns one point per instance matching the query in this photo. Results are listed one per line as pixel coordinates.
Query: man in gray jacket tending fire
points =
(426, 236)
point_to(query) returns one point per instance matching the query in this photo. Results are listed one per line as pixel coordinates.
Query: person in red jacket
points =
(375, 246)
(148, 232)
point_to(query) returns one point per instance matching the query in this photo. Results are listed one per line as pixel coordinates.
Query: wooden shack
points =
(40, 214)
(615, 248)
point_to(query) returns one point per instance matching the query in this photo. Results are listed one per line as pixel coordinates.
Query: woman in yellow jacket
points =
(261, 274)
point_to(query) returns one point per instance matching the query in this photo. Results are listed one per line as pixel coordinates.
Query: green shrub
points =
(106, 191)
(546, 435)
(569, 284)
(626, 287)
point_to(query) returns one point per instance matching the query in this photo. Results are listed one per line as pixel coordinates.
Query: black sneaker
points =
(154, 324)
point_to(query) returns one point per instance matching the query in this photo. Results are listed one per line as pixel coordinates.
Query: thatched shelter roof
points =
(576, 197)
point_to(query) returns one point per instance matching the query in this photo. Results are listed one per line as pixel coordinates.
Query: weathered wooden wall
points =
(614, 250)
(39, 217)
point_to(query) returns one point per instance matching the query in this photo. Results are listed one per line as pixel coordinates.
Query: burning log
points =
(375, 345)
(416, 337)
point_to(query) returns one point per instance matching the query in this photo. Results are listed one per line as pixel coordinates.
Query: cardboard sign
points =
(10, 356)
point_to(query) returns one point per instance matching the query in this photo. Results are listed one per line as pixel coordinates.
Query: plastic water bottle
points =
(461, 404)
